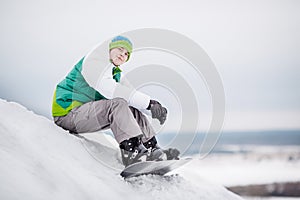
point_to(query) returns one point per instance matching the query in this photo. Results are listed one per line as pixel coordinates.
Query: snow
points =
(237, 170)
(41, 161)
(272, 198)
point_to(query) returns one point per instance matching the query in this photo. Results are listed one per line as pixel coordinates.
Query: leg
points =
(143, 123)
(100, 115)
(149, 140)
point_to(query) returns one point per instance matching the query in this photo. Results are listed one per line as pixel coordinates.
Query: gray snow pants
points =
(124, 121)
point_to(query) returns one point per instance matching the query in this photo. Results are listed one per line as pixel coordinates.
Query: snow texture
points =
(41, 161)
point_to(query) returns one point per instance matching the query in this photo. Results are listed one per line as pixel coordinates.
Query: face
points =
(118, 55)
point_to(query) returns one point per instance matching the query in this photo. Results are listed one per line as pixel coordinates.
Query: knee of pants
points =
(120, 102)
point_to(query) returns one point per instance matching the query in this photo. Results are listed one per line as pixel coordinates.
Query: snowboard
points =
(153, 167)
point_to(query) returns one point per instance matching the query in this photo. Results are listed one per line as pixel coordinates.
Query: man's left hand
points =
(158, 111)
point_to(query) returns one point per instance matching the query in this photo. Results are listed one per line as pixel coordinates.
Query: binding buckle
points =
(134, 154)
(149, 151)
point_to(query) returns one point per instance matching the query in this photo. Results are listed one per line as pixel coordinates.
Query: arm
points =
(96, 70)
(111, 89)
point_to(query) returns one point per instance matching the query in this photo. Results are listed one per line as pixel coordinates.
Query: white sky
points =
(255, 46)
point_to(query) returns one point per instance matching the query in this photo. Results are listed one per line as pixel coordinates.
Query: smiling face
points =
(118, 56)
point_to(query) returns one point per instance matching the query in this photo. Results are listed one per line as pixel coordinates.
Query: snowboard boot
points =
(157, 154)
(132, 151)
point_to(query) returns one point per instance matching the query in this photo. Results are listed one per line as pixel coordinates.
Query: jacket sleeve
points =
(108, 87)
(97, 71)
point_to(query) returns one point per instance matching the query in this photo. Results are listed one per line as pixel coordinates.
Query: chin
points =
(118, 64)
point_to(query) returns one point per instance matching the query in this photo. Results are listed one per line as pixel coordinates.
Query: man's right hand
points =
(158, 111)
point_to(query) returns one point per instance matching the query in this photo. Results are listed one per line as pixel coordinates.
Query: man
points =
(93, 97)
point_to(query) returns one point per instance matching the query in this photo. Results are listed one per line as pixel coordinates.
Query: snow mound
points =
(41, 161)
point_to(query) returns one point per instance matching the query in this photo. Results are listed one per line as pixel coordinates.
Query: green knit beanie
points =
(121, 41)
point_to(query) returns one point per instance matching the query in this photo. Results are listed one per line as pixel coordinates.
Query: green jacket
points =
(74, 91)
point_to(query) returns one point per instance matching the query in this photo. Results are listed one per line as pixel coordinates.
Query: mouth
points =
(116, 59)
(120, 58)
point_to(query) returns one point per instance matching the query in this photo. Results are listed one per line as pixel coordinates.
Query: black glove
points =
(157, 111)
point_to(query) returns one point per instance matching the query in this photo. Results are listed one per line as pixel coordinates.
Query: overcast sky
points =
(254, 45)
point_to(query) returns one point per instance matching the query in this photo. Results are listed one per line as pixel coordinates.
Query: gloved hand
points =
(158, 111)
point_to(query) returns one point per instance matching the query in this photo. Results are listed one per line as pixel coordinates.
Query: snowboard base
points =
(153, 167)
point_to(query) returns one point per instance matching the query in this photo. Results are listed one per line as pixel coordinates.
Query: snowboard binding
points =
(133, 150)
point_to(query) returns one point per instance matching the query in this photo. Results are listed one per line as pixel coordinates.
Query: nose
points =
(122, 56)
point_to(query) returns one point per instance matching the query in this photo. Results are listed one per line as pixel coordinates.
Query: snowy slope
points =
(38, 160)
